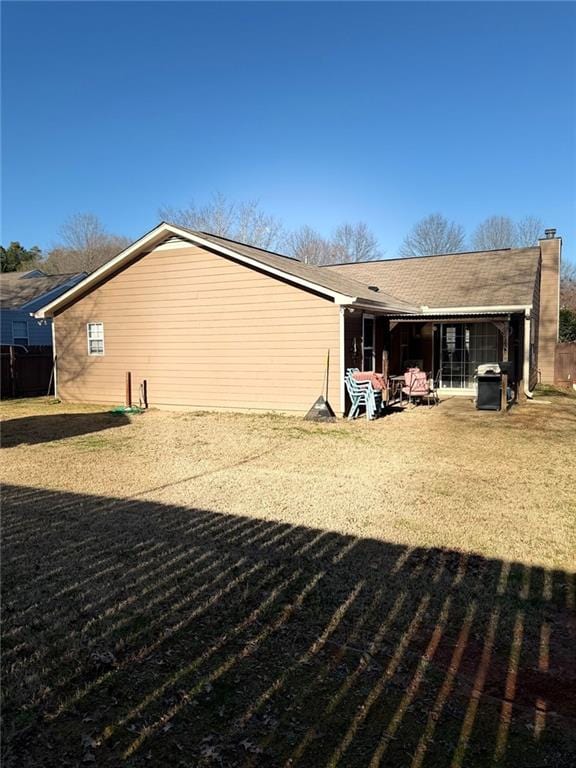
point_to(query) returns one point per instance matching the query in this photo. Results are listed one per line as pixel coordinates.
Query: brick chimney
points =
(550, 253)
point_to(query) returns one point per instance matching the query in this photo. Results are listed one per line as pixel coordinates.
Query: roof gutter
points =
(381, 307)
(449, 312)
(425, 310)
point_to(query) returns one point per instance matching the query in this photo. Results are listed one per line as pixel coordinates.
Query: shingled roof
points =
(481, 278)
(494, 279)
(20, 288)
(341, 283)
(343, 288)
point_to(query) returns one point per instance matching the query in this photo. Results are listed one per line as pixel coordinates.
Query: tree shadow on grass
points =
(144, 634)
(30, 430)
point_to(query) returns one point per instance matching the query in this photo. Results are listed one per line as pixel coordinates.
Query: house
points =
(26, 342)
(208, 322)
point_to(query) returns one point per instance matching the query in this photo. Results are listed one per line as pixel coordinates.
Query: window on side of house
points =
(95, 335)
(20, 332)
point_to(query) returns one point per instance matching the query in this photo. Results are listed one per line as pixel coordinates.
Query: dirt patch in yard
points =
(227, 590)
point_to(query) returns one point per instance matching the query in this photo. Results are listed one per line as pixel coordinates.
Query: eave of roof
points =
(20, 290)
(342, 290)
(446, 313)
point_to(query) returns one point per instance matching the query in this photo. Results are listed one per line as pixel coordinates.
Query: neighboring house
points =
(211, 323)
(26, 342)
(21, 294)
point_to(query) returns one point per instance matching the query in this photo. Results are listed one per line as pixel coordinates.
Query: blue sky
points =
(382, 112)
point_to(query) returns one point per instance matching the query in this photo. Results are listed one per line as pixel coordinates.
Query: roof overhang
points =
(154, 238)
(380, 308)
(165, 230)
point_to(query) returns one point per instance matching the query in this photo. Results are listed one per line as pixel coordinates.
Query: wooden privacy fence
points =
(25, 371)
(565, 367)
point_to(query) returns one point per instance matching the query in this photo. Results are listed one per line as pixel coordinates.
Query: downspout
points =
(526, 364)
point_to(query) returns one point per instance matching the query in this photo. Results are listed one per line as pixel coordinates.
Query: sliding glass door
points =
(463, 347)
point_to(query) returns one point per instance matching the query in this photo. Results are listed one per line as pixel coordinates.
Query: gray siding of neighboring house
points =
(39, 331)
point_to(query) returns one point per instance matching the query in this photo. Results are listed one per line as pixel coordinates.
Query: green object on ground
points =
(119, 409)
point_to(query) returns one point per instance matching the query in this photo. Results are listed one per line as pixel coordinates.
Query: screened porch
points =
(449, 349)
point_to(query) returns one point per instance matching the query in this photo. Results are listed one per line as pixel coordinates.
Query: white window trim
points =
(373, 347)
(14, 336)
(342, 358)
(90, 353)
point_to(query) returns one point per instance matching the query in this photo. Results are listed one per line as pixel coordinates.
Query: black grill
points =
(489, 392)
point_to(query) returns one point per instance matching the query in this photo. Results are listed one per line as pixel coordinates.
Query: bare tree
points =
(216, 217)
(568, 286)
(497, 232)
(350, 242)
(85, 245)
(431, 235)
(243, 221)
(355, 242)
(258, 228)
(307, 245)
(246, 222)
(493, 233)
(528, 230)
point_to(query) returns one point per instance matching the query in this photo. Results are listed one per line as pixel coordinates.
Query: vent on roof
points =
(550, 233)
(374, 288)
(173, 242)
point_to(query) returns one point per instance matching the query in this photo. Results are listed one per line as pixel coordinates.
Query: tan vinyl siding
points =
(534, 332)
(549, 301)
(205, 332)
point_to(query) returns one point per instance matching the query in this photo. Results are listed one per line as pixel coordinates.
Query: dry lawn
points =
(197, 589)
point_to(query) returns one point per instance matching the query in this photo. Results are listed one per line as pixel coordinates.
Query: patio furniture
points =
(362, 393)
(379, 384)
(434, 384)
(417, 385)
(395, 384)
(377, 380)
(410, 364)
